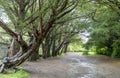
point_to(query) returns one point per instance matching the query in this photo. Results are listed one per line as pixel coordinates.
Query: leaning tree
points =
(33, 18)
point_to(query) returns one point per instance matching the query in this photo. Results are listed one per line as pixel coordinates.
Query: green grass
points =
(92, 53)
(18, 74)
(89, 53)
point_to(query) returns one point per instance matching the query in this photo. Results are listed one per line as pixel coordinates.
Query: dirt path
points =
(74, 65)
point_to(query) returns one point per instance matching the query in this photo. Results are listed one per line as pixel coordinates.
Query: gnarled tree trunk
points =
(20, 57)
(35, 55)
(13, 48)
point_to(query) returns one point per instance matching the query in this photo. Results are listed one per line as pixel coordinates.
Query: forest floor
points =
(75, 65)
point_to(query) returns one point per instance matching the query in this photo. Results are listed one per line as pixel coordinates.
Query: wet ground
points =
(74, 65)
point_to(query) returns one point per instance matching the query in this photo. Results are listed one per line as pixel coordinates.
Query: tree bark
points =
(35, 55)
(65, 47)
(13, 48)
(20, 57)
(53, 48)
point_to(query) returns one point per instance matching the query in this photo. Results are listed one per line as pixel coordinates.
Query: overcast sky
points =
(3, 16)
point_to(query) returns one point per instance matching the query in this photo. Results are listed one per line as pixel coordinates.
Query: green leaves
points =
(105, 34)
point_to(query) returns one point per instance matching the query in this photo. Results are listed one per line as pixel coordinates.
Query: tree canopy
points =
(45, 28)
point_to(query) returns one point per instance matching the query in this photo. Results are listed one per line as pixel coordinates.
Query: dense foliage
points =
(105, 28)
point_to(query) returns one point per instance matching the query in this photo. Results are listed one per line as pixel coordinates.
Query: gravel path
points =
(74, 65)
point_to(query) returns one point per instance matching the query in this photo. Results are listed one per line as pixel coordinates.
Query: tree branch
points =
(67, 11)
(8, 30)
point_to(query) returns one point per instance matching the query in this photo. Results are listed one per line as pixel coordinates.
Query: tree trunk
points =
(20, 57)
(65, 47)
(58, 48)
(44, 51)
(53, 48)
(48, 51)
(13, 48)
(35, 55)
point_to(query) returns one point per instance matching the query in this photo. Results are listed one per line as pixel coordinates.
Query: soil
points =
(75, 65)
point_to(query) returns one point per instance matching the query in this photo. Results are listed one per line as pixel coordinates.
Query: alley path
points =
(74, 65)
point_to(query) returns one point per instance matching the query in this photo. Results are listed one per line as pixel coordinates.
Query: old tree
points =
(33, 18)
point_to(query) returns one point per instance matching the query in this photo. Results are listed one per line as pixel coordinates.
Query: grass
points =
(89, 53)
(18, 74)
(92, 53)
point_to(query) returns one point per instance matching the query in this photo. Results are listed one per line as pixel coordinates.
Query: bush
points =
(75, 47)
(103, 51)
(116, 49)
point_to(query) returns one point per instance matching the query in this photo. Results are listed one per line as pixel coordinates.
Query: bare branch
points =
(67, 11)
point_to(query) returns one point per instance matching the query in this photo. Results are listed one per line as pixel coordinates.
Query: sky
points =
(84, 36)
(4, 17)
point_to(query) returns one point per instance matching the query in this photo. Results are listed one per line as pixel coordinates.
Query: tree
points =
(105, 28)
(34, 18)
(56, 41)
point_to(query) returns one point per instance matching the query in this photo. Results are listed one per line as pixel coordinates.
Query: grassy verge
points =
(18, 74)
